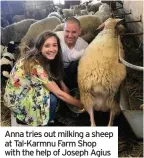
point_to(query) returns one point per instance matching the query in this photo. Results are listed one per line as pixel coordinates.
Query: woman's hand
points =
(53, 87)
(79, 104)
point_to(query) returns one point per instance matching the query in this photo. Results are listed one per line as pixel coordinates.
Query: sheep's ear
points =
(101, 26)
(119, 20)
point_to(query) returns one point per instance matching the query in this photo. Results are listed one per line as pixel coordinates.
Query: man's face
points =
(71, 32)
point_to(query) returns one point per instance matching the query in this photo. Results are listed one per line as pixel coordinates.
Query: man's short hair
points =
(74, 20)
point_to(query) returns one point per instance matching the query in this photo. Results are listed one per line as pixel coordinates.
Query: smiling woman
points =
(50, 48)
(35, 83)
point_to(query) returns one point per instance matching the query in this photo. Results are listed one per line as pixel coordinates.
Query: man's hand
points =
(64, 87)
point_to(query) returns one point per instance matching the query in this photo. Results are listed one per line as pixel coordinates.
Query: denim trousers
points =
(53, 104)
(70, 78)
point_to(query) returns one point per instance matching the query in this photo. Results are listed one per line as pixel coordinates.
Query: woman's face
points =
(50, 48)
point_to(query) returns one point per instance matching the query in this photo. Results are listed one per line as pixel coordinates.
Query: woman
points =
(36, 81)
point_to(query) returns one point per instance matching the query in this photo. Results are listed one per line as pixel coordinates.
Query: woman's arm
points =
(53, 87)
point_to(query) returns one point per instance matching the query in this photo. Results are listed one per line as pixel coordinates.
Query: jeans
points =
(53, 104)
(70, 78)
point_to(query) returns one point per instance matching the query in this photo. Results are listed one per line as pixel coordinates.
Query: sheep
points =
(88, 22)
(66, 13)
(100, 73)
(59, 10)
(104, 8)
(59, 27)
(39, 27)
(93, 7)
(91, 13)
(84, 11)
(73, 6)
(89, 36)
(12, 47)
(3, 49)
(103, 16)
(7, 60)
(104, 12)
(55, 14)
(69, 13)
(6, 65)
(78, 11)
(15, 32)
(121, 29)
(81, 6)
(17, 18)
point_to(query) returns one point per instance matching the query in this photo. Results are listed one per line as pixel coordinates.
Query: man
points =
(73, 47)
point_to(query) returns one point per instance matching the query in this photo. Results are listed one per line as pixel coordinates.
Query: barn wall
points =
(11, 8)
(32, 5)
(69, 3)
(136, 8)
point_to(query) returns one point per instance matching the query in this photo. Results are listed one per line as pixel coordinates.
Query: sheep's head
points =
(110, 23)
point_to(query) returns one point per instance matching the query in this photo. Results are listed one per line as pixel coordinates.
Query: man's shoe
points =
(55, 123)
(51, 123)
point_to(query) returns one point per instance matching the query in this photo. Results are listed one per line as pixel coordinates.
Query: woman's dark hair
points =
(54, 67)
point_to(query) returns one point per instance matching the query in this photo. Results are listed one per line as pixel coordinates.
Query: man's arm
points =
(64, 87)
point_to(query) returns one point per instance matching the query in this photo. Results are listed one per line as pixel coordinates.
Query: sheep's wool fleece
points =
(89, 23)
(74, 54)
(37, 28)
(100, 66)
(16, 31)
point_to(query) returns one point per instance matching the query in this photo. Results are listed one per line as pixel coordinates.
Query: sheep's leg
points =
(112, 115)
(91, 114)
